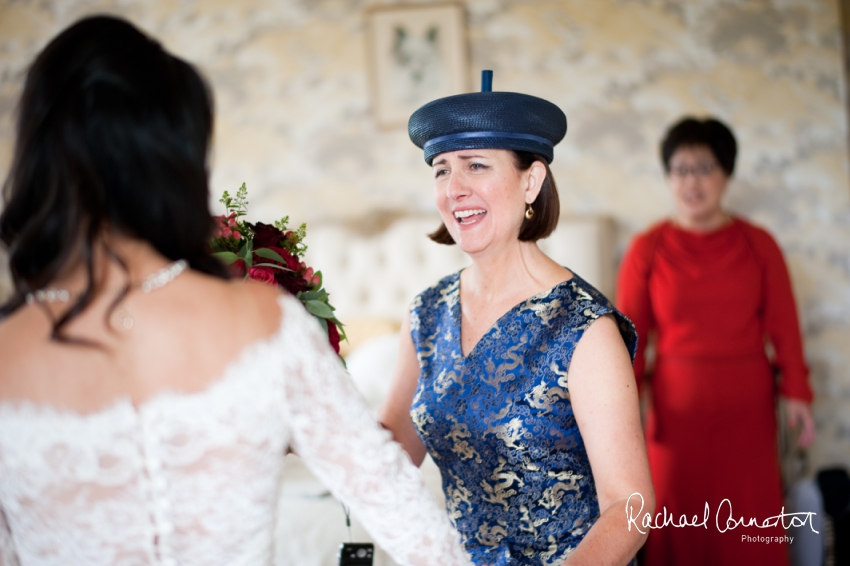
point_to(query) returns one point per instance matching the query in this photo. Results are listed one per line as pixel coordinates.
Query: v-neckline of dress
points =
(458, 313)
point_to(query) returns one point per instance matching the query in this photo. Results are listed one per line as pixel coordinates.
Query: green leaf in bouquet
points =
(269, 254)
(245, 253)
(273, 265)
(319, 275)
(240, 203)
(323, 322)
(323, 297)
(226, 257)
(317, 295)
(245, 229)
(236, 204)
(300, 248)
(319, 309)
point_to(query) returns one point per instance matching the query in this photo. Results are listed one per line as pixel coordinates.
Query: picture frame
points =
(417, 53)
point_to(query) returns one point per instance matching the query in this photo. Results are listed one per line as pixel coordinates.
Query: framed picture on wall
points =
(417, 52)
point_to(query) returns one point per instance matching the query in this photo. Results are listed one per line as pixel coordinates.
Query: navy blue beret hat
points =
(488, 120)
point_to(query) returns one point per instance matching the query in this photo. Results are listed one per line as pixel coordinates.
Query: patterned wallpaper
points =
(295, 123)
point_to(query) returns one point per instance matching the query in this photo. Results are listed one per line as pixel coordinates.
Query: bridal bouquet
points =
(272, 254)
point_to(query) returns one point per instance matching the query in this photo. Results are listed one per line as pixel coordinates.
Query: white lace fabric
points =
(193, 478)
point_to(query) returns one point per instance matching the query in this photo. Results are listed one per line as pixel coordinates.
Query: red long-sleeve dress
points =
(712, 300)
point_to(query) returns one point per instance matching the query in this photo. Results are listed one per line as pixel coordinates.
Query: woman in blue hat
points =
(515, 373)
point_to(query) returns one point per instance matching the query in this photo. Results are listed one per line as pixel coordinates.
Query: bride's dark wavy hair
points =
(112, 133)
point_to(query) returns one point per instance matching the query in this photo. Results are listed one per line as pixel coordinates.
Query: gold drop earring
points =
(529, 212)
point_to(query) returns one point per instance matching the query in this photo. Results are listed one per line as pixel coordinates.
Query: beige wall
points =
(294, 122)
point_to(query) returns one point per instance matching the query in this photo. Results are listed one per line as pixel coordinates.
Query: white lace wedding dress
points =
(194, 478)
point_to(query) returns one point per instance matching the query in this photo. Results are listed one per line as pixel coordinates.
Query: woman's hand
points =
(799, 415)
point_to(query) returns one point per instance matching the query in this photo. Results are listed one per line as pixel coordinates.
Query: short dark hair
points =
(112, 132)
(711, 133)
(547, 206)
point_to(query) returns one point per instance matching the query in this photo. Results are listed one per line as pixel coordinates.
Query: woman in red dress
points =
(710, 290)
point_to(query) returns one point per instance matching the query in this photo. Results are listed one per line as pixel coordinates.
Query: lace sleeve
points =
(339, 440)
(8, 556)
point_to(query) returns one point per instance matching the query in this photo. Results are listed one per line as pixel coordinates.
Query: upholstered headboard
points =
(377, 276)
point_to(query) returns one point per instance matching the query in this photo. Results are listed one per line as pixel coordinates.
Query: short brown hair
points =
(547, 206)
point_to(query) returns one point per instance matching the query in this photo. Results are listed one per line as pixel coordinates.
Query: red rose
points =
(291, 261)
(262, 273)
(266, 236)
(333, 336)
(292, 280)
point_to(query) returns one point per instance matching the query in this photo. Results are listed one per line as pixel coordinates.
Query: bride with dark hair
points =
(146, 401)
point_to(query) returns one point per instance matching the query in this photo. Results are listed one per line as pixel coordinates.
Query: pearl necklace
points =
(150, 283)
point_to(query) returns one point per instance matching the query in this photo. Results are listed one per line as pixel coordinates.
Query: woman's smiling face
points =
(482, 196)
(697, 183)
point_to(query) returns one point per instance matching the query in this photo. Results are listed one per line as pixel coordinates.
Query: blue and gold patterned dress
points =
(500, 425)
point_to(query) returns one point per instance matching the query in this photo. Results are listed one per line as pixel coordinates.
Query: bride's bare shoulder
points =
(16, 330)
(248, 304)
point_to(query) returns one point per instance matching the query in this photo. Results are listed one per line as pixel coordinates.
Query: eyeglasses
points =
(701, 170)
